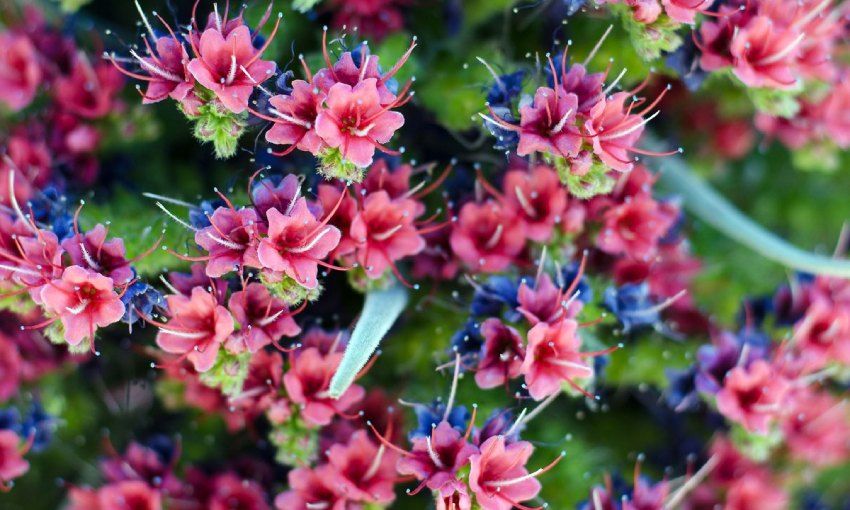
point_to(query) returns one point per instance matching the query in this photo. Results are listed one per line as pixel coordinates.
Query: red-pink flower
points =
(435, 459)
(684, 11)
(614, 130)
(91, 250)
(816, 428)
(823, 334)
(755, 491)
(487, 237)
(763, 53)
(537, 197)
(231, 240)
(356, 122)
(10, 368)
(502, 355)
(12, 463)
(90, 90)
(165, 67)
(232, 492)
(634, 227)
(230, 66)
(548, 125)
(365, 471)
(84, 301)
(312, 488)
(307, 383)
(20, 73)
(294, 117)
(498, 476)
(753, 396)
(198, 327)
(544, 302)
(263, 318)
(384, 232)
(375, 18)
(297, 243)
(552, 358)
(129, 495)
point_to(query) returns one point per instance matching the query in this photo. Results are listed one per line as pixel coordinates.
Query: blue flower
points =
(506, 89)
(685, 62)
(198, 217)
(429, 416)
(467, 341)
(568, 274)
(39, 425)
(632, 305)
(681, 394)
(506, 139)
(491, 297)
(498, 424)
(140, 299)
(10, 419)
(50, 208)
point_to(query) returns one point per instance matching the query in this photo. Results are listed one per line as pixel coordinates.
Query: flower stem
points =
(708, 205)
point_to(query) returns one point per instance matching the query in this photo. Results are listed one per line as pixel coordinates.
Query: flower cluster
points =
(145, 476)
(588, 135)
(342, 113)
(76, 96)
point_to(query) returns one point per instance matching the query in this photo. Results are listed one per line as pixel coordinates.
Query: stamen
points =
(309, 246)
(495, 238)
(431, 453)
(80, 308)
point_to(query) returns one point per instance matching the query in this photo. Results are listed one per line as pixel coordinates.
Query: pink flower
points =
(20, 73)
(230, 491)
(328, 196)
(91, 250)
(498, 476)
(544, 302)
(352, 73)
(755, 490)
(548, 125)
(365, 472)
(294, 118)
(130, 495)
(823, 334)
(10, 369)
(229, 66)
(356, 122)
(634, 227)
(614, 130)
(684, 11)
(231, 240)
(552, 358)
(263, 319)
(502, 356)
(435, 460)
(537, 197)
(12, 463)
(282, 196)
(587, 87)
(165, 68)
(645, 11)
(90, 90)
(763, 53)
(487, 237)
(83, 300)
(753, 396)
(375, 18)
(297, 243)
(198, 327)
(312, 488)
(384, 232)
(307, 383)
(816, 428)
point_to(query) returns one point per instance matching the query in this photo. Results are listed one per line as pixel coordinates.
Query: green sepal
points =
(290, 291)
(221, 127)
(332, 165)
(779, 103)
(296, 442)
(597, 180)
(229, 372)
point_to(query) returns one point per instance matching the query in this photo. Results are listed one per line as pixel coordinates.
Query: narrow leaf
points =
(380, 310)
